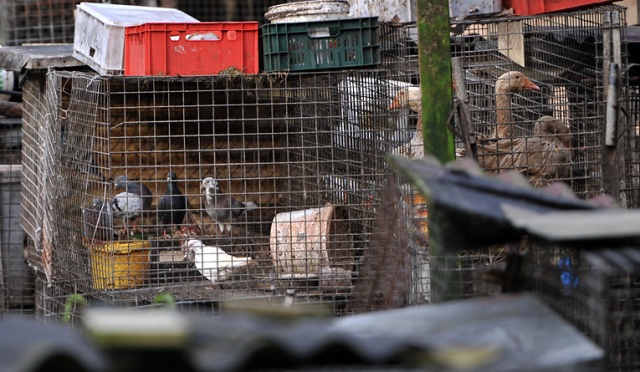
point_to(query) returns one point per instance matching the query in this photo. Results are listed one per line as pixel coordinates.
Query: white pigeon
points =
(212, 262)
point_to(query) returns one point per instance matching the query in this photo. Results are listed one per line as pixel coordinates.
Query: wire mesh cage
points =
(630, 185)
(399, 51)
(298, 159)
(27, 21)
(567, 57)
(16, 279)
(597, 291)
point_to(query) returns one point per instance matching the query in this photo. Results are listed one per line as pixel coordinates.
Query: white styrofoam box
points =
(469, 8)
(99, 32)
(391, 11)
(361, 96)
(394, 11)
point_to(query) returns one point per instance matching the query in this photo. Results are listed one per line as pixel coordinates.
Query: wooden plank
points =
(511, 41)
(585, 228)
(10, 109)
(37, 57)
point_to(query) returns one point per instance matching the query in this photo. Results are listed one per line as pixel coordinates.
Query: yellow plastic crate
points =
(119, 265)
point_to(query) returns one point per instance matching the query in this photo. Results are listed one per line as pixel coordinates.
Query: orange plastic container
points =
(187, 49)
(529, 7)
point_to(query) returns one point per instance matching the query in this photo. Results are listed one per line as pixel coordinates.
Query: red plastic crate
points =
(186, 49)
(529, 7)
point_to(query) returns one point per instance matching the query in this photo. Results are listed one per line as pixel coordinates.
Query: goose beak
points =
(394, 105)
(528, 84)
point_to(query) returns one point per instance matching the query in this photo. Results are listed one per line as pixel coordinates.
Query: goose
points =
(508, 83)
(543, 158)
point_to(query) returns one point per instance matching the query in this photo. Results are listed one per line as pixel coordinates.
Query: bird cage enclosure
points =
(399, 51)
(567, 57)
(27, 21)
(631, 185)
(597, 290)
(306, 151)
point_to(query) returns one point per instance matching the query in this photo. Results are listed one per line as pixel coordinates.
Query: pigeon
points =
(122, 182)
(173, 204)
(97, 221)
(127, 206)
(222, 208)
(212, 262)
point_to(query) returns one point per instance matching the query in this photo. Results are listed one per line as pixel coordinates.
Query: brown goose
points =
(543, 158)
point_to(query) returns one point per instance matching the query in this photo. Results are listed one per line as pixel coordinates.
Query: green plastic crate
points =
(341, 43)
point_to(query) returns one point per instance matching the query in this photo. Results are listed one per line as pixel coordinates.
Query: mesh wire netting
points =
(53, 21)
(332, 225)
(307, 151)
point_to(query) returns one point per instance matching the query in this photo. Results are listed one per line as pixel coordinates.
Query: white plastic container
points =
(361, 97)
(99, 32)
(394, 11)
(308, 11)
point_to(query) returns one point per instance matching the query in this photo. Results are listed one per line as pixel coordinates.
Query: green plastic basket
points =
(341, 43)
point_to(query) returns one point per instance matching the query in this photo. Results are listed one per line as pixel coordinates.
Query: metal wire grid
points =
(11, 139)
(227, 10)
(29, 21)
(564, 55)
(52, 21)
(399, 51)
(284, 142)
(16, 278)
(34, 130)
(630, 187)
(598, 293)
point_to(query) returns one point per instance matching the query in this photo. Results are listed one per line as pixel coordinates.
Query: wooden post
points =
(611, 169)
(435, 77)
(435, 82)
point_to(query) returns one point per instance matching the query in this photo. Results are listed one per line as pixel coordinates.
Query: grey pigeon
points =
(122, 182)
(172, 206)
(222, 208)
(97, 221)
(127, 206)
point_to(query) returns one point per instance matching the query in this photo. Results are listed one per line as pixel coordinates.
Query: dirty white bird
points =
(212, 262)
(410, 97)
